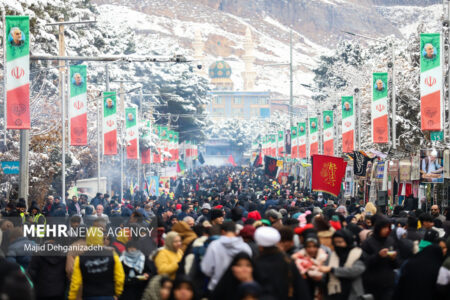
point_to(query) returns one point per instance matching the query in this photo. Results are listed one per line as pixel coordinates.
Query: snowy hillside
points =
(229, 44)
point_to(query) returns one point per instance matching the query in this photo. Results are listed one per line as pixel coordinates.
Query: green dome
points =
(219, 69)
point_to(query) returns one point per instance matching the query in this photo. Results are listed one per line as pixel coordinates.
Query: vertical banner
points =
(176, 145)
(17, 47)
(146, 153)
(281, 143)
(132, 132)
(348, 125)
(109, 123)
(78, 106)
(328, 133)
(313, 137)
(431, 81)
(302, 140)
(379, 111)
(164, 137)
(294, 153)
(157, 154)
(287, 141)
(170, 146)
(273, 144)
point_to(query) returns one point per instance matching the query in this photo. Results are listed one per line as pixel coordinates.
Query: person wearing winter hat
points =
(217, 217)
(255, 215)
(274, 217)
(279, 276)
(205, 214)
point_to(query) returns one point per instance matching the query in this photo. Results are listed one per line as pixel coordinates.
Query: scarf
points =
(135, 261)
(334, 284)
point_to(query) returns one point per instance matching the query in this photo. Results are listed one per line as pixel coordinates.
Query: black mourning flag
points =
(270, 166)
(200, 158)
(360, 163)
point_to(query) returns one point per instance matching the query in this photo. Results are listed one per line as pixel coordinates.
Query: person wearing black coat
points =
(380, 260)
(48, 273)
(277, 273)
(418, 276)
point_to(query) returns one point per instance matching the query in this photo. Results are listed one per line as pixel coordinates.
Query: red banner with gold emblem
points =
(327, 174)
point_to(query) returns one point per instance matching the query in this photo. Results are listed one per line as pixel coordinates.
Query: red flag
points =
(231, 160)
(145, 156)
(327, 174)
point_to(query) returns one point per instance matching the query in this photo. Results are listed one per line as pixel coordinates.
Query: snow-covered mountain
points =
(318, 27)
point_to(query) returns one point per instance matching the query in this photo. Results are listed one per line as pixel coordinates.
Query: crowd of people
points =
(227, 233)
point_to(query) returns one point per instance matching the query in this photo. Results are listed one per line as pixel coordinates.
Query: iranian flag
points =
(157, 156)
(170, 145)
(431, 81)
(348, 125)
(132, 132)
(187, 148)
(146, 153)
(273, 139)
(328, 133)
(176, 145)
(294, 142)
(313, 136)
(17, 46)
(302, 140)
(164, 136)
(379, 108)
(280, 143)
(78, 106)
(109, 123)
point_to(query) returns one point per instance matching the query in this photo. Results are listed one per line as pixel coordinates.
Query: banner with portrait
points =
(132, 132)
(431, 166)
(109, 123)
(16, 45)
(301, 140)
(294, 153)
(328, 132)
(431, 81)
(313, 136)
(380, 108)
(348, 124)
(78, 106)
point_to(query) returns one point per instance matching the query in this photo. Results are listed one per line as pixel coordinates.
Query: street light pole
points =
(291, 78)
(394, 102)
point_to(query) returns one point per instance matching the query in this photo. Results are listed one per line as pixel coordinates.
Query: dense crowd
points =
(226, 233)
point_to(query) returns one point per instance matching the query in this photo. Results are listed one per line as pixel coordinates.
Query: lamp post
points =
(391, 65)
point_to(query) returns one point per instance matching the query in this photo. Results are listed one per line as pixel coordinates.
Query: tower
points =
(248, 75)
(199, 46)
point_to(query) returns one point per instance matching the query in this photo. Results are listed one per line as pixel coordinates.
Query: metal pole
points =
(121, 139)
(107, 77)
(139, 156)
(63, 139)
(358, 103)
(23, 169)
(291, 94)
(319, 140)
(394, 102)
(99, 101)
(4, 74)
(335, 133)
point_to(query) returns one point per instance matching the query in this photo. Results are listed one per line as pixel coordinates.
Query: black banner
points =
(270, 166)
